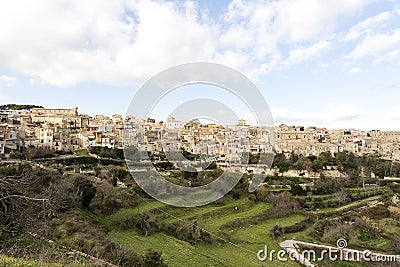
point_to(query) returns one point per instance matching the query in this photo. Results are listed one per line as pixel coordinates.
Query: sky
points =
(331, 63)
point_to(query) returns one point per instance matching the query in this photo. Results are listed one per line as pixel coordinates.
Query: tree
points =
(379, 171)
(24, 206)
(297, 190)
(17, 191)
(317, 165)
(346, 162)
(303, 163)
(293, 158)
(326, 159)
(342, 196)
(282, 204)
(84, 190)
(262, 194)
(281, 162)
(253, 158)
(153, 259)
(195, 233)
(327, 185)
(276, 231)
(147, 224)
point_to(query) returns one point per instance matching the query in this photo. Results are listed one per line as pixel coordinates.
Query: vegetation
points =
(104, 215)
(343, 161)
(18, 107)
(105, 152)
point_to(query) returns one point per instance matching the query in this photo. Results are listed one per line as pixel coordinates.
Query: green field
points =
(12, 262)
(82, 153)
(231, 246)
(6, 261)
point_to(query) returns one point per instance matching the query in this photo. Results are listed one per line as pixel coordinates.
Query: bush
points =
(183, 230)
(277, 231)
(327, 185)
(105, 152)
(300, 226)
(337, 230)
(282, 204)
(153, 259)
(84, 190)
(38, 152)
(395, 243)
(144, 222)
(376, 213)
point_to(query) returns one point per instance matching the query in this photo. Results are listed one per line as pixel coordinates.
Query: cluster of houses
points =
(314, 141)
(57, 129)
(67, 130)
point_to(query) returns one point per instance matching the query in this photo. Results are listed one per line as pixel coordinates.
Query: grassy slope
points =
(13, 262)
(239, 250)
(242, 252)
(6, 261)
(82, 153)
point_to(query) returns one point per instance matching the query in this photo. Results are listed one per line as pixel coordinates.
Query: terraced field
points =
(238, 228)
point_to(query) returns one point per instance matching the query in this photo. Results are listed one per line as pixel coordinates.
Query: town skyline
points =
(66, 130)
(159, 119)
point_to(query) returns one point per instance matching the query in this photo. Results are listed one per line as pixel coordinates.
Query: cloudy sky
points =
(333, 63)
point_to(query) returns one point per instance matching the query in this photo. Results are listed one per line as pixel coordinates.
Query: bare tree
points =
(19, 192)
(282, 204)
(342, 196)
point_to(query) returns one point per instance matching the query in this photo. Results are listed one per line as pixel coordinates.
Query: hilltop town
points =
(68, 187)
(67, 130)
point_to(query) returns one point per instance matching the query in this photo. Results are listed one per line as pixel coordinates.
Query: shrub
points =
(84, 190)
(300, 226)
(282, 204)
(184, 230)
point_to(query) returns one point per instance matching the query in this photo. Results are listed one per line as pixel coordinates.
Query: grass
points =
(82, 153)
(125, 213)
(6, 261)
(231, 246)
(390, 225)
(211, 210)
(179, 253)
(175, 252)
(213, 224)
(248, 240)
(257, 234)
(347, 206)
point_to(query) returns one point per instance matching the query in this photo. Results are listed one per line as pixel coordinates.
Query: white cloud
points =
(304, 53)
(7, 80)
(378, 36)
(390, 55)
(366, 26)
(332, 116)
(282, 115)
(64, 43)
(343, 113)
(375, 44)
(357, 70)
